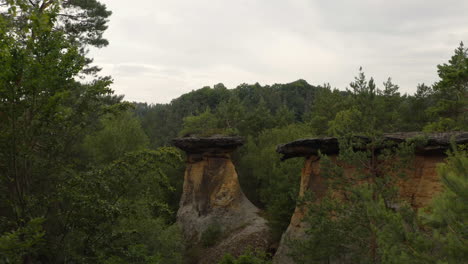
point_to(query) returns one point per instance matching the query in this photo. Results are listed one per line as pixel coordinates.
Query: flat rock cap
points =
(217, 143)
(435, 143)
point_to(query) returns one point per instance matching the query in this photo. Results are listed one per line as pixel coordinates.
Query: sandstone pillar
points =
(212, 196)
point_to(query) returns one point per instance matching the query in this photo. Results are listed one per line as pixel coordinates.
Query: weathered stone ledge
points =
(214, 144)
(436, 143)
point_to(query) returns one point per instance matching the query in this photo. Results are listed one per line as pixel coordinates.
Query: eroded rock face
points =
(212, 196)
(421, 184)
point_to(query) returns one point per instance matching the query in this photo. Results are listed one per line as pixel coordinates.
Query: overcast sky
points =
(161, 49)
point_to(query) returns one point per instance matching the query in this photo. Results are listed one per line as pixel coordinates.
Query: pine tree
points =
(326, 104)
(447, 216)
(451, 92)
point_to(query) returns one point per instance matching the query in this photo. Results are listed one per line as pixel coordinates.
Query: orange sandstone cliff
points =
(212, 197)
(420, 185)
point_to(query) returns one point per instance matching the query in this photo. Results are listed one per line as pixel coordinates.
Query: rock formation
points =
(212, 197)
(418, 188)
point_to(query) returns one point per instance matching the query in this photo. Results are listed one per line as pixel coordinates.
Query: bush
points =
(247, 258)
(211, 235)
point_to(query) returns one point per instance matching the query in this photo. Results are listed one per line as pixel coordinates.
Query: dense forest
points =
(87, 177)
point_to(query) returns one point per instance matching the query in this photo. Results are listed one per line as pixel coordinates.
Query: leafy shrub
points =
(211, 235)
(247, 258)
(23, 241)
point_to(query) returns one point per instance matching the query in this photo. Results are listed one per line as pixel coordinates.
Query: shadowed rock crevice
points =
(212, 196)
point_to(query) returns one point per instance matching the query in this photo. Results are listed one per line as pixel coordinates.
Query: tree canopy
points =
(87, 177)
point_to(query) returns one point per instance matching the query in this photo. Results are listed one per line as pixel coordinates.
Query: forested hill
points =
(248, 110)
(86, 177)
(164, 121)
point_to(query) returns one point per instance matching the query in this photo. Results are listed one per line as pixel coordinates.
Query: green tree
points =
(257, 120)
(117, 212)
(414, 112)
(45, 113)
(231, 114)
(389, 107)
(24, 241)
(82, 21)
(448, 214)
(367, 109)
(268, 183)
(361, 219)
(121, 133)
(451, 92)
(56, 207)
(347, 120)
(283, 117)
(362, 115)
(204, 124)
(324, 107)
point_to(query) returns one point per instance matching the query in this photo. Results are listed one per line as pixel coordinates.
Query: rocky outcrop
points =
(436, 143)
(420, 185)
(212, 197)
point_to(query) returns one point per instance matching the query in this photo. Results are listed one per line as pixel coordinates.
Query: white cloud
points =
(162, 49)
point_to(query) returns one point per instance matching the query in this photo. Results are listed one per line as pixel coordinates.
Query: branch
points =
(72, 16)
(46, 4)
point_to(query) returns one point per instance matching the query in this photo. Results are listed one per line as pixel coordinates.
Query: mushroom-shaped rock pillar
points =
(212, 199)
(418, 188)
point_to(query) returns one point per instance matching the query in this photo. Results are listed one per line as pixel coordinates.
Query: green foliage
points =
(268, 183)
(202, 124)
(121, 133)
(231, 114)
(230, 118)
(346, 121)
(115, 210)
(450, 109)
(324, 108)
(283, 117)
(360, 219)
(362, 109)
(448, 214)
(243, 110)
(207, 124)
(22, 242)
(247, 258)
(372, 109)
(77, 184)
(139, 240)
(56, 206)
(442, 125)
(389, 107)
(414, 109)
(258, 120)
(211, 235)
(44, 116)
(82, 21)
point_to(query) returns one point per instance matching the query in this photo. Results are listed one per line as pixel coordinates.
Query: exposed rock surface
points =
(437, 143)
(418, 188)
(214, 144)
(212, 196)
